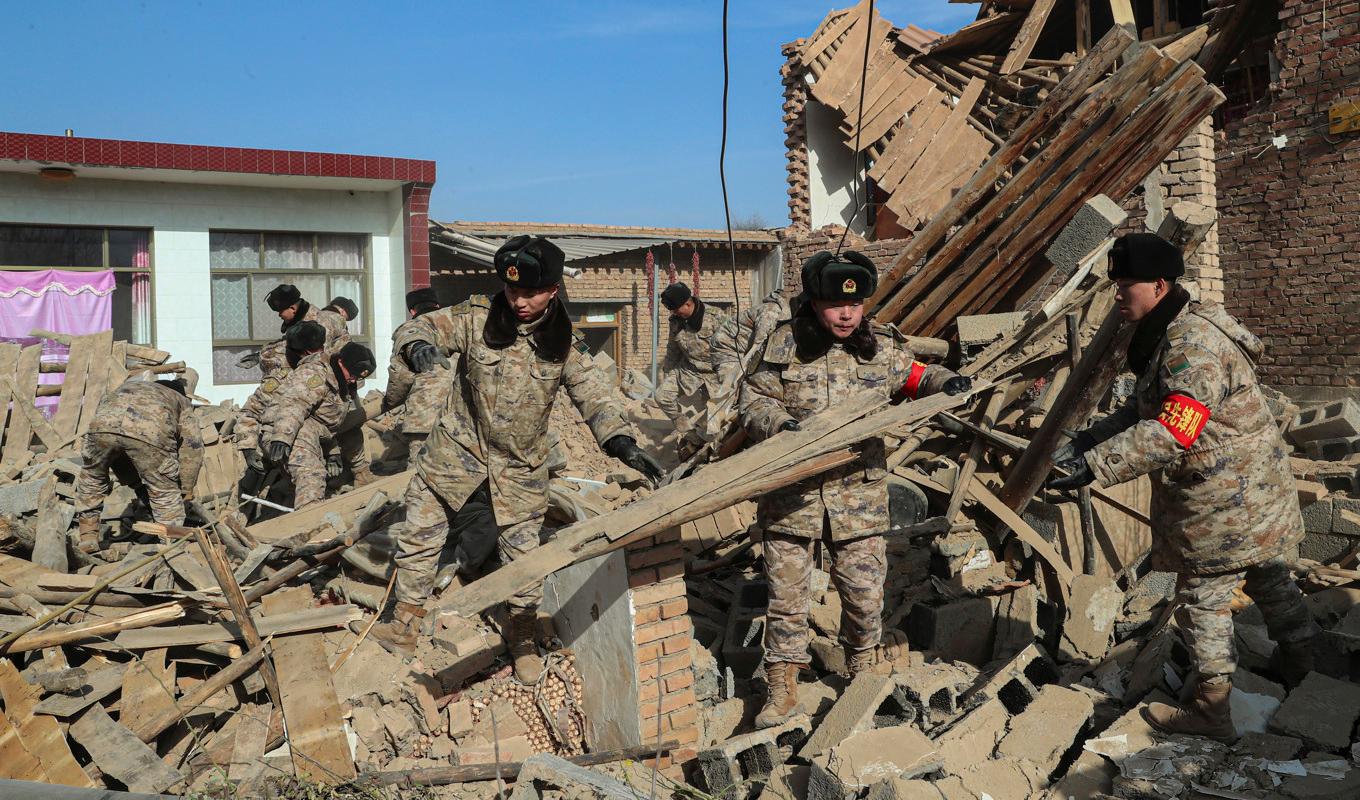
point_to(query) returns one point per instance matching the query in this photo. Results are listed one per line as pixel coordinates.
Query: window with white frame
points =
(246, 265)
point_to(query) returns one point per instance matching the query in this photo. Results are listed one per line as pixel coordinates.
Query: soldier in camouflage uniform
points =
(146, 432)
(734, 343)
(421, 397)
(250, 434)
(288, 303)
(483, 468)
(307, 414)
(690, 381)
(826, 353)
(1224, 506)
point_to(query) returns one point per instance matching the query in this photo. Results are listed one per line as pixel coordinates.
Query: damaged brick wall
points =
(663, 634)
(799, 244)
(795, 140)
(1288, 216)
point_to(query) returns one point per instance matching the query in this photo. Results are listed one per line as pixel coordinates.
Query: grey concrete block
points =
(1044, 732)
(17, 499)
(1322, 712)
(982, 329)
(559, 772)
(960, 630)
(750, 758)
(853, 712)
(867, 758)
(1340, 524)
(1336, 420)
(1325, 547)
(1317, 517)
(1332, 449)
(1092, 225)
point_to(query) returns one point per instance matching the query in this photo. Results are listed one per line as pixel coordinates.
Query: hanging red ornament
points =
(694, 270)
(649, 264)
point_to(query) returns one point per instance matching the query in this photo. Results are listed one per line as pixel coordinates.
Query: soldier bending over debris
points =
(1224, 506)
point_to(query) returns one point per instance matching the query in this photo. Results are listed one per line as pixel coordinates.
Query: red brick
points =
(658, 592)
(674, 608)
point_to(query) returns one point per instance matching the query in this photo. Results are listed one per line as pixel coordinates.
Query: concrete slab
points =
(1322, 712)
(853, 713)
(1045, 730)
(1094, 605)
(592, 614)
(1093, 223)
(869, 757)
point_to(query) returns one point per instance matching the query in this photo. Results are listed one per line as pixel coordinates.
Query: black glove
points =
(423, 356)
(253, 461)
(790, 425)
(279, 452)
(957, 385)
(1080, 474)
(1075, 447)
(625, 449)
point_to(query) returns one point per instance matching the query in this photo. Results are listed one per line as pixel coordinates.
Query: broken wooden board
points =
(252, 735)
(100, 684)
(311, 711)
(79, 358)
(41, 734)
(121, 755)
(23, 381)
(346, 505)
(97, 380)
(306, 619)
(148, 689)
(15, 759)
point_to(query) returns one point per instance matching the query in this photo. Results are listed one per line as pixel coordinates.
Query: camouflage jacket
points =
(311, 391)
(253, 426)
(688, 348)
(1228, 500)
(421, 396)
(732, 347)
(495, 425)
(853, 497)
(155, 414)
(273, 356)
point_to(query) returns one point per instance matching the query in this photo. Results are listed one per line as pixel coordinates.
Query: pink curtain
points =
(56, 300)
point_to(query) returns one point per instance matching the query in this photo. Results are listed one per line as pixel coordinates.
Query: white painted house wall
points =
(181, 215)
(831, 171)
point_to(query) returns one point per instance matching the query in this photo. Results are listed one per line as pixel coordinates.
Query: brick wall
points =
(1290, 218)
(795, 140)
(1189, 174)
(800, 244)
(663, 633)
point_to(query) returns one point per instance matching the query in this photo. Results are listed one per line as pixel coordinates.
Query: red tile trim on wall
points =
(79, 151)
(416, 210)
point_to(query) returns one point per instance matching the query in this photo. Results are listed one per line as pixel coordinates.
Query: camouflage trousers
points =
(152, 472)
(307, 461)
(1205, 615)
(415, 442)
(858, 569)
(430, 522)
(682, 398)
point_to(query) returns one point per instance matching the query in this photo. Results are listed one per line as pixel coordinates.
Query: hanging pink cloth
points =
(62, 301)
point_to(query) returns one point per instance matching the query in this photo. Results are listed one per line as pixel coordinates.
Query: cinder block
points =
(1343, 523)
(1336, 420)
(1092, 225)
(1332, 449)
(1317, 517)
(1044, 732)
(867, 758)
(750, 758)
(956, 631)
(1322, 712)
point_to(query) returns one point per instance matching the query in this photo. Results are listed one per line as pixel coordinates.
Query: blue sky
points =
(603, 112)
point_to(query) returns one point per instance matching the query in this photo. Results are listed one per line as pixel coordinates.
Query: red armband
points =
(913, 384)
(1185, 417)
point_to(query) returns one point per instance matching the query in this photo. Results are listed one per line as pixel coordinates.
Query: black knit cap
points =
(675, 295)
(530, 262)
(1145, 257)
(346, 305)
(357, 359)
(306, 336)
(852, 276)
(282, 296)
(422, 299)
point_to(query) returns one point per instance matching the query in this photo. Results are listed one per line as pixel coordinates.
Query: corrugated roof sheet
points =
(559, 230)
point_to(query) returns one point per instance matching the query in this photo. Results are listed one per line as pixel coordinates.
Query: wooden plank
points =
(1083, 27)
(316, 734)
(118, 371)
(148, 689)
(830, 33)
(120, 754)
(200, 694)
(945, 147)
(82, 353)
(15, 759)
(1023, 43)
(96, 628)
(247, 757)
(1122, 10)
(310, 619)
(240, 608)
(9, 361)
(282, 527)
(97, 382)
(99, 684)
(909, 93)
(36, 421)
(926, 121)
(1059, 103)
(42, 735)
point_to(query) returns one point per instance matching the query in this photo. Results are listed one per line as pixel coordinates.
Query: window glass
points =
(266, 324)
(234, 250)
(288, 251)
(351, 286)
(51, 247)
(227, 370)
(335, 251)
(231, 306)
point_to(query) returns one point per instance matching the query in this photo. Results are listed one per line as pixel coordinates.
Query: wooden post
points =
(240, 609)
(1088, 520)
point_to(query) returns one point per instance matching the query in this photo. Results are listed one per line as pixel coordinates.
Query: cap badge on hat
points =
(512, 273)
(849, 286)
